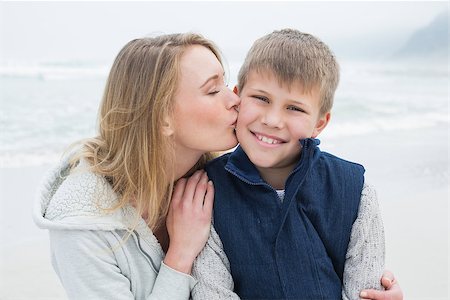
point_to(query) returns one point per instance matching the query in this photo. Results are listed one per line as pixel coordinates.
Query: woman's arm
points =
(92, 265)
(86, 266)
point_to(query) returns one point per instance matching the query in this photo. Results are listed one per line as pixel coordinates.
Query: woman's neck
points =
(184, 161)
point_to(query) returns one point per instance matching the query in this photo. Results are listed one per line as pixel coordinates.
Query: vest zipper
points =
(260, 183)
(252, 183)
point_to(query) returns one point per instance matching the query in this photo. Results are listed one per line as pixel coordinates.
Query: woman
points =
(106, 204)
(114, 233)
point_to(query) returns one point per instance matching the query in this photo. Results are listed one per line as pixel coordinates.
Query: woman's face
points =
(205, 113)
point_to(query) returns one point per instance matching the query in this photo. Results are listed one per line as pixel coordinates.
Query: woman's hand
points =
(189, 220)
(392, 292)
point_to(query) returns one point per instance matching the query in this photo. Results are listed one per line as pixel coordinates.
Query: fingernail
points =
(363, 294)
(210, 182)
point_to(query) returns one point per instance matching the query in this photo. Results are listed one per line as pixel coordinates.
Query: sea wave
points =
(385, 125)
(58, 103)
(53, 71)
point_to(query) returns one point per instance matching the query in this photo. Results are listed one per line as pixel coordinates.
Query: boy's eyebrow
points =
(260, 91)
(213, 77)
(298, 102)
(267, 93)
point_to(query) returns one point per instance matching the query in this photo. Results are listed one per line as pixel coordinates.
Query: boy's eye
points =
(295, 108)
(213, 93)
(261, 98)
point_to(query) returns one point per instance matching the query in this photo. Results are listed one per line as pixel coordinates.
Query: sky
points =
(83, 31)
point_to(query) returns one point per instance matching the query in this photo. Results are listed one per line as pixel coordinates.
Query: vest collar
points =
(240, 165)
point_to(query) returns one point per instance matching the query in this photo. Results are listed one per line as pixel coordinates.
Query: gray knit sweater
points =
(364, 263)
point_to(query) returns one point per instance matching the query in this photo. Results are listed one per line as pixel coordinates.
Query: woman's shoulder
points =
(83, 192)
(77, 196)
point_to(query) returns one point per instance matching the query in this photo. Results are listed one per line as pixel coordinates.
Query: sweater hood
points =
(78, 199)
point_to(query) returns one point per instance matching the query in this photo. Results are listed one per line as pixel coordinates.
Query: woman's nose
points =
(233, 100)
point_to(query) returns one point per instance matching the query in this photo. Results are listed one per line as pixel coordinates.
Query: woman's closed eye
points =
(216, 89)
(212, 93)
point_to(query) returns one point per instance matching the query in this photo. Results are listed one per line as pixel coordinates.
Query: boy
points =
(294, 222)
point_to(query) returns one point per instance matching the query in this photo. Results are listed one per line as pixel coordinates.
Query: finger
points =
(178, 191)
(209, 199)
(191, 185)
(386, 283)
(395, 292)
(387, 279)
(372, 294)
(200, 190)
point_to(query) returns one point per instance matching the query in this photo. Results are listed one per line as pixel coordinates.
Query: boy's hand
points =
(392, 292)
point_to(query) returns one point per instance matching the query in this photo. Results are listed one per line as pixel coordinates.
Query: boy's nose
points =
(272, 118)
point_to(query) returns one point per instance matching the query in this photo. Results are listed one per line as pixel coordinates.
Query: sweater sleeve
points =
(212, 270)
(172, 284)
(87, 267)
(364, 262)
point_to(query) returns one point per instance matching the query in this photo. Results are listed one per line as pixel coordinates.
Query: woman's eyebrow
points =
(215, 76)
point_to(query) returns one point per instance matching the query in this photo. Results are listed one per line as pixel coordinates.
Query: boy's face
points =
(272, 119)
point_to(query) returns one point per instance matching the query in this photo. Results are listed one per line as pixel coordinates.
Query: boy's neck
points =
(276, 177)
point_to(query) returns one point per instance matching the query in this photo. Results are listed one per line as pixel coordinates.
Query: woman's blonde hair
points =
(131, 151)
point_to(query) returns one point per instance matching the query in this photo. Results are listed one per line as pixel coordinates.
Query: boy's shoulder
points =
(339, 160)
(218, 162)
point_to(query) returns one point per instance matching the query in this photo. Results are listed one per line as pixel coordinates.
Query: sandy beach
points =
(409, 169)
(26, 271)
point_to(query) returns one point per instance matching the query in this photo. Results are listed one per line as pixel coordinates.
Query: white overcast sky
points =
(59, 31)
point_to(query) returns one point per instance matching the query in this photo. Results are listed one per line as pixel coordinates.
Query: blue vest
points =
(293, 249)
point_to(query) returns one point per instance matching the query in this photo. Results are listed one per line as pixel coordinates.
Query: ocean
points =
(44, 107)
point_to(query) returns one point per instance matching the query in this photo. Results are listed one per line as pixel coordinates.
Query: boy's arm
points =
(364, 262)
(212, 270)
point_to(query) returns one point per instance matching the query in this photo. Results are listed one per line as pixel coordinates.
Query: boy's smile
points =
(273, 118)
(268, 140)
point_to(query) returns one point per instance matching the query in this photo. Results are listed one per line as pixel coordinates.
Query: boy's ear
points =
(321, 124)
(167, 128)
(235, 90)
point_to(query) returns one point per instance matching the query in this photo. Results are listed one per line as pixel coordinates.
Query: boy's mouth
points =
(266, 139)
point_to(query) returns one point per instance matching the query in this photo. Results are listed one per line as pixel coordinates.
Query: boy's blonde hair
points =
(131, 150)
(294, 57)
